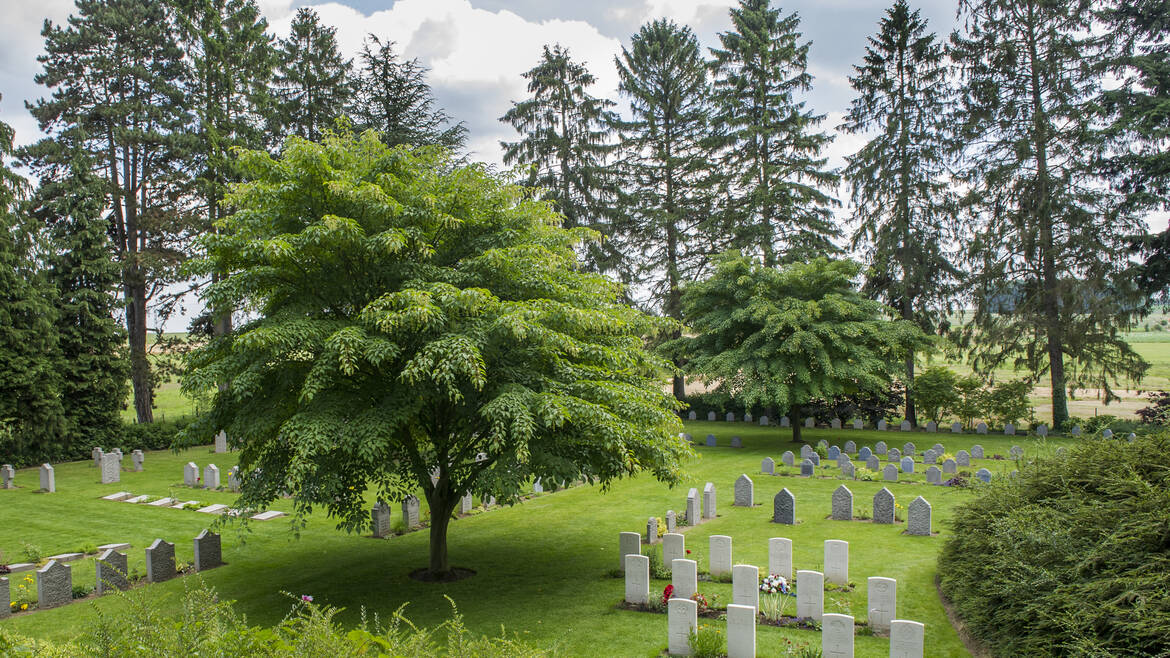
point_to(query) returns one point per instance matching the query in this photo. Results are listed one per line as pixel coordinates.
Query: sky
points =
(476, 50)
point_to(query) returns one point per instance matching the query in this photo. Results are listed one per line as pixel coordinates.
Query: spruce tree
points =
(666, 163)
(1053, 288)
(770, 149)
(903, 205)
(312, 82)
(393, 98)
(115, 73)
(567, 139)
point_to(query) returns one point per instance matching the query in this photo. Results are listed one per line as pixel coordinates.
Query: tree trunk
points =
(797, 424)
(135, 293)
(911, 413)
(442, 504)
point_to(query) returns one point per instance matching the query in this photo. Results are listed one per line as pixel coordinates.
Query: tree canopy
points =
(411, 313)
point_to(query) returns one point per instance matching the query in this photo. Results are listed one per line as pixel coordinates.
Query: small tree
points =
(936, 390)
(785, 337)
(970, 403)
(412, 313)
(1007, 402)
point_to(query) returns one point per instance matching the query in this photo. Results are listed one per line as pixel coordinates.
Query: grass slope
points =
(541, 565)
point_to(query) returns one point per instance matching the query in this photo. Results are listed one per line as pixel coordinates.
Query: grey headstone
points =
(671, 523)
(949, 466)
(918, 517)
(850, 446)
(747, 418)
(981, 428)
(234, 479)
(111, 468)
(711, 416)
(905, 426)
(933, 475)
(1042, 430)
(784, 422)
(221, 442)
(784, 507)
(709, 501)
(1131, 437)
(208, 553)
(692, 416)
(1016, 452)
(842, 504)
(380, 519)
(1060, 451)
(744, 492)
(410, 512)
(956, 427)
(1009, 429)
(806, 468)
(137, 458)
(693, 512)
(805, 451)
(835, 423)
(537, 486)
(929, 457)
(880, 448)
(160, 561)
(864, 453)
(815, 458)
(843, 459)
(858, 424)
(873, 463)
(1076, 431)
(736, 442)
(890, 473)
(938, 449)
(909, 448)
(788, 459)
(5, 608)
(191, 474)
(810, 423)
(883, 506)
(54, 584)
(711, 440)
(768, 465)
(48, 482)
(466, 503)
(963, 458)
(907, 464)
(882, 425)
(730, 417)
(932, 426)
(847, 469)
(894, 455)
(763, 421)
(983, 474)
(651, 531)
(111, 571)
(7, 477)
(834, 452)
(211, 477)
(97, 457)
(823, 444)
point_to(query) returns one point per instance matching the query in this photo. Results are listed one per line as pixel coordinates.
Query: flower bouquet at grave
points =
(775, 593)
(704, 605)
(667, 594)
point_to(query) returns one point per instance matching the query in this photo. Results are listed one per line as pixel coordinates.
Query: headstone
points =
(837, 561)
(883, 506)
(160, 561)
(810, 594)
(747, 418)
(711, 416)
(466, 502)
(709, 501)
(111, 468)
(221, 442)
(1131, 437)
(671, 521)
(768, 466)
(890, 473)
(410, 512)
(809, 423)
(784, 508)
(983, 474)
(1009, 429)
(682, 620)
(882, 602)
(894, 456)
(1060, 451)
(847, 469)
(267, 515)
(815, 458)
(905, 426)
(977, 451)
(908, 448)
(719, 555)
(949, 466)
(780, 557)
(744, 492)
(963, 458)
(788, 459)
(842, 504)
(537, 486)
(191, 475)
(981, 428)
(907, 639)
(217, 508)
(918, 517)
(629, 543)
(784, 422)
(1076, 431)
(938, 449)
(907, 464)
(208, 552)
(97, 457)
(930, 456)
(637, 579)
(806, 468)
(692, 416)
(736, 442)
(111, 572)
(652, 530)
(835, 423)
(674, 547)
(137, 458)
(858, 424)
(711, 441)
(873, 463)
(850, 446)
(879, 448)
(834, 452)
(763, 421)
(864, 453)
(211, 476)
(380, 519)
(730, 417)
(745, 585)
(741, 631)
(823, 444)
(137, 499)
(8, 477)
(956, 427)
(48, 482)
(837, 636)
(1016, 452)
(684, 576)
(1042, 431)
(882, 425)
(693, 506)
(932, 427)
(687, 437)
(933, 475)
(55, 582)
(234, 479)
(163, 502)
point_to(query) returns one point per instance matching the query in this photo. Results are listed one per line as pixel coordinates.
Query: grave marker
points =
(674, 547)
(730, 417)
(983, 474)
(736, 442)
(208, 551)
(741, 631)
(835, 423)
(711, 416)
(977, 451)
(709, 501)
(788, 459)
(809, 423)
(410, 512)
(956, 427)
(1009, 429)
(191, 474)
(48, 481)
(745, 585)
(5, 607)
(692, 416)
(682, 620)
(719, 555)
(763, 421)
(873, 463)
(780, 557)
(858, 424)
(137, 458)
(693, 506)
(905, 426)
(652, 530)
(893, 456)
(918, 517)
(684, 576)
(837, 636)
(768, 466)
(890, 473)
(744, 492)
(907, 464)
(882, 602)
(932, 427)
(933, 475)
(834, 452)
(221, 442)
(784, 422)
(981, 428)
(842, 504)
(55, 582)
(949, 466)
(97, 457)
(864, 453)
(1042, 431)
(160, 561)
(907, 639)
(380, 519)
(671, 520)
(806, 468)
(850, 446)
(211, 477)
(629, 543)
(930, 456)
(880, 448)
(637, 579)
(837, 561)
(963, 458)
(847, 469)
(111, 468)
(784, 508)
(882, 425)
(711, 441)
(810, 594)
(908, 448)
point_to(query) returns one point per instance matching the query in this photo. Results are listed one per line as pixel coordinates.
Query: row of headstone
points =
(918, 513)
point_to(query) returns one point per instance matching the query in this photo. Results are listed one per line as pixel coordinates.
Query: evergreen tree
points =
(116, 75)
(393, 98)
(1054, 287)
(666, 164)
(31, 420)
(567, 140)
(769, 145)
(312, 82)
(902, 201)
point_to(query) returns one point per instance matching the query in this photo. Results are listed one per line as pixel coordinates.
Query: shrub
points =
(1069, 558)
(707, 642)
(934, 392)
(1007, 402)
(1158, 413)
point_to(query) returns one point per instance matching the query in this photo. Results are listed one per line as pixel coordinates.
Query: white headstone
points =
(693, 506)
(410, 512)
(768, 466)
(191, 474)
(907, 639)
(882, 602)
(48, 482)
(837, 636)
(741, 631)
(780, 557)
(810, 594)
(137, 458)
(380, 519)
(709, 501)
(111, 468)
(221, 442)
(629, 543)
(719, 555)
(682, 620)
(674, 547)
(837, 561)
(211, 477)
(745, 585)
(637, 579)
(684, 577)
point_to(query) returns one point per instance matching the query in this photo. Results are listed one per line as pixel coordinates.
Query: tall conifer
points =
(312, 83)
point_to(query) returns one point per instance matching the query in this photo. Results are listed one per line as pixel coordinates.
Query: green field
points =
(542, 565)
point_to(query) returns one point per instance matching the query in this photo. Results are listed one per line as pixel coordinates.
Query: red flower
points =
(667, 594)
(688, 551)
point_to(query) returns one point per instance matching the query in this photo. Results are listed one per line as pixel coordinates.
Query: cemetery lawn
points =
(543, 566)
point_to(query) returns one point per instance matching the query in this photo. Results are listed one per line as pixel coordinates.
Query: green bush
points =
(935, 392)
(1007, 402)
(1070, 558)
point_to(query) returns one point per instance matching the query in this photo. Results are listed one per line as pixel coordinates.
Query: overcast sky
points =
(476, 50)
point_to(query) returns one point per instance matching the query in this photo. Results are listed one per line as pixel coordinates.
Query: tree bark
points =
(797, 424)
(442, 503)
(135, 293)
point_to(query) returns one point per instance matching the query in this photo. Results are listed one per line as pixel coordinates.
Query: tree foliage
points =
(936, 392)
(312, 82)
(411, 313)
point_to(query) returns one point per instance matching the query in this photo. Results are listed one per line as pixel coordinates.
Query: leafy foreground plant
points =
(1070, 558)
(210, 627)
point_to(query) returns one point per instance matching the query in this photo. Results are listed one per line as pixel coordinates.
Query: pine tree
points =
(902, 202)
(393, 98)
(666, 167)
(312, 84)
(116, 75)
(567, 140)
(779, 207)
(1054, 288)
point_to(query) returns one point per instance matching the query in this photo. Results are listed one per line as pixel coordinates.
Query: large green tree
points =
(1054, 288)
(392, 97)
(116, 76)
(411, 313)
(312, 83)
(782, 337)
(770, 149)
(666, 163)
(567, 141)
(902, 202)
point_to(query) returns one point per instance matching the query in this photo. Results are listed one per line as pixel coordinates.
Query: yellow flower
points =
(24, 606)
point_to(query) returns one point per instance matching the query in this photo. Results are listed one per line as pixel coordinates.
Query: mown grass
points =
(542, 566)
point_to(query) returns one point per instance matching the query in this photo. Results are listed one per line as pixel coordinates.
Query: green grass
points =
(541, 565)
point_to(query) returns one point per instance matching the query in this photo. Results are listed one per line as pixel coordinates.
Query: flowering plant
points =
(667, 593)
(775, 592)
(698, 598)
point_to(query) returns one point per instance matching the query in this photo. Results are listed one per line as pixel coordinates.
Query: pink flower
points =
(306, 598)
